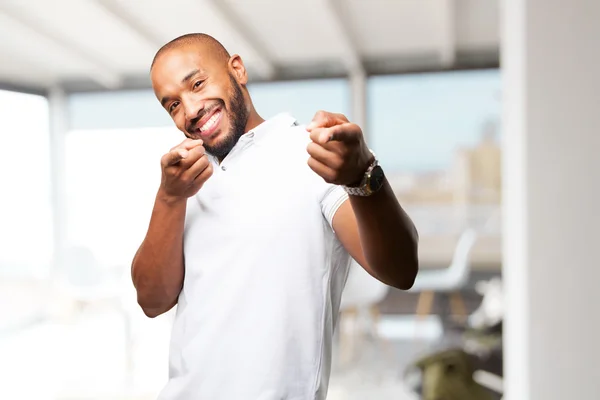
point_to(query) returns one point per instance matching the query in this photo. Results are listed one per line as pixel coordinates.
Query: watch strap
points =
(363, 189)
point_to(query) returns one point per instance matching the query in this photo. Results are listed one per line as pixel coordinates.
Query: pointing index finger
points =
(323, 119)
(346, 132)
(188, 144)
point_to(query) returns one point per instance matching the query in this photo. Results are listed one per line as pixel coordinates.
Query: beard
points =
(238, 118)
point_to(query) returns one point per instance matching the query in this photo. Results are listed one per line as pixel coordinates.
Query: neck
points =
(253, 120)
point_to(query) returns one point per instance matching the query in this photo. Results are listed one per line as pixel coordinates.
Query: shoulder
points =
(286, 139)
(284, 145)
(294, 139)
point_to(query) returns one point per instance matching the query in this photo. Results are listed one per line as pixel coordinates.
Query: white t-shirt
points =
(264, 274)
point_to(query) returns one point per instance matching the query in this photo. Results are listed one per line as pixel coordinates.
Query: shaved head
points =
(208, 43)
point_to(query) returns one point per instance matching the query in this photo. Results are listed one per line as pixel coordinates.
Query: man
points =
(251, 240)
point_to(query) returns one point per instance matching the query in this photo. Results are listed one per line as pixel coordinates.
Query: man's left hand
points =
(338, 152)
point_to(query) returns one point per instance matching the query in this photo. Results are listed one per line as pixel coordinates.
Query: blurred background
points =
(81, 136)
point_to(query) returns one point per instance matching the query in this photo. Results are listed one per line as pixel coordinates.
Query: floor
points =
(82, 355)
(83, 358)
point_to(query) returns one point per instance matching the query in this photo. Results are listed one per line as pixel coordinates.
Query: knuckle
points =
(314, 135)
(185, 180)
(321, 114)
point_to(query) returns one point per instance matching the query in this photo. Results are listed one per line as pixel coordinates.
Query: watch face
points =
(377, 178)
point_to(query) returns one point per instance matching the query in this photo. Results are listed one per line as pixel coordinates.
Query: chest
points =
(255, 198)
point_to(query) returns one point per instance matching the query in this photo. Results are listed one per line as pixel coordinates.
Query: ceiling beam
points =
(118, 12)
(399, 65)
(350, 55)
(99, 71)
(12, 87)
(264, 65)
(448, 33)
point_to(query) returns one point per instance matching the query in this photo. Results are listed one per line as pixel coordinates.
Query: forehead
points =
(172, 66)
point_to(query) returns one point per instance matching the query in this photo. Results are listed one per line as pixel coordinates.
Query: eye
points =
(197, 84)
(172, 106)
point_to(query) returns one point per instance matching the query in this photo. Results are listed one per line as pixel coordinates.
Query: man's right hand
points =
(184, 170)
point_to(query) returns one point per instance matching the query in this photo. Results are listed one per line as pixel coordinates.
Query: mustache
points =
(193, 124)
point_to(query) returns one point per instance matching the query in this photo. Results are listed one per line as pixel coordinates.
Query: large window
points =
(418, 122)
(25, 214)
(437, 136)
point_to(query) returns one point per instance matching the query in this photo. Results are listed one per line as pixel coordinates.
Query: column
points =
(358, 95)
(551, 173)
(58, 129)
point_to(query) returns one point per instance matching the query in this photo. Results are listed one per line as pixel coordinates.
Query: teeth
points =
(209, 124)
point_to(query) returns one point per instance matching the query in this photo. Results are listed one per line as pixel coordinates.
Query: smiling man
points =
(253, 229)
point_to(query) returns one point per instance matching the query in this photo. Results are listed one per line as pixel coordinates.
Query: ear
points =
(237, 68)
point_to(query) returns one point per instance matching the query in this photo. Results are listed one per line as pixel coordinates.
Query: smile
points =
(207, 128)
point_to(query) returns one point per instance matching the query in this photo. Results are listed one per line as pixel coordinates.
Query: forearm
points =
(157, 268)
(388, 237)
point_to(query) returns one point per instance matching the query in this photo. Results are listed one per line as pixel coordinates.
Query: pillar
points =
(551, 178)
(57, 102)
(358, 95)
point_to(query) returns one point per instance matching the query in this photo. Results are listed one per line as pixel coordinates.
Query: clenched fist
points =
(338, 152)
(184, 170)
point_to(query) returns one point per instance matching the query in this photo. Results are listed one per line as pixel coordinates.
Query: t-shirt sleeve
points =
(333, 197)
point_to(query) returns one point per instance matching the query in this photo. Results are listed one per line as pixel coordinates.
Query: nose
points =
(192, 109)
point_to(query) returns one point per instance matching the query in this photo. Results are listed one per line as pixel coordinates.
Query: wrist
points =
(372, 179)
(370, 159)
(170, 200)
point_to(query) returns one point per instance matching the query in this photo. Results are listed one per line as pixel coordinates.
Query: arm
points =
(374, 229)
(158, 268)
(380, 236)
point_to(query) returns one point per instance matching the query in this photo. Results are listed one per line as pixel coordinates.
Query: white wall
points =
(551, 57)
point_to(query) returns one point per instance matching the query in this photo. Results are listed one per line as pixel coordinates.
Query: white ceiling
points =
(109, 44)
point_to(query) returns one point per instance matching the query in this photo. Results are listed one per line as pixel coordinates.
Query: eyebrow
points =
(186, 78)
(190, 75)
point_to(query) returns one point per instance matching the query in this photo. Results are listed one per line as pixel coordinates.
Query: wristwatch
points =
(371, 182)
